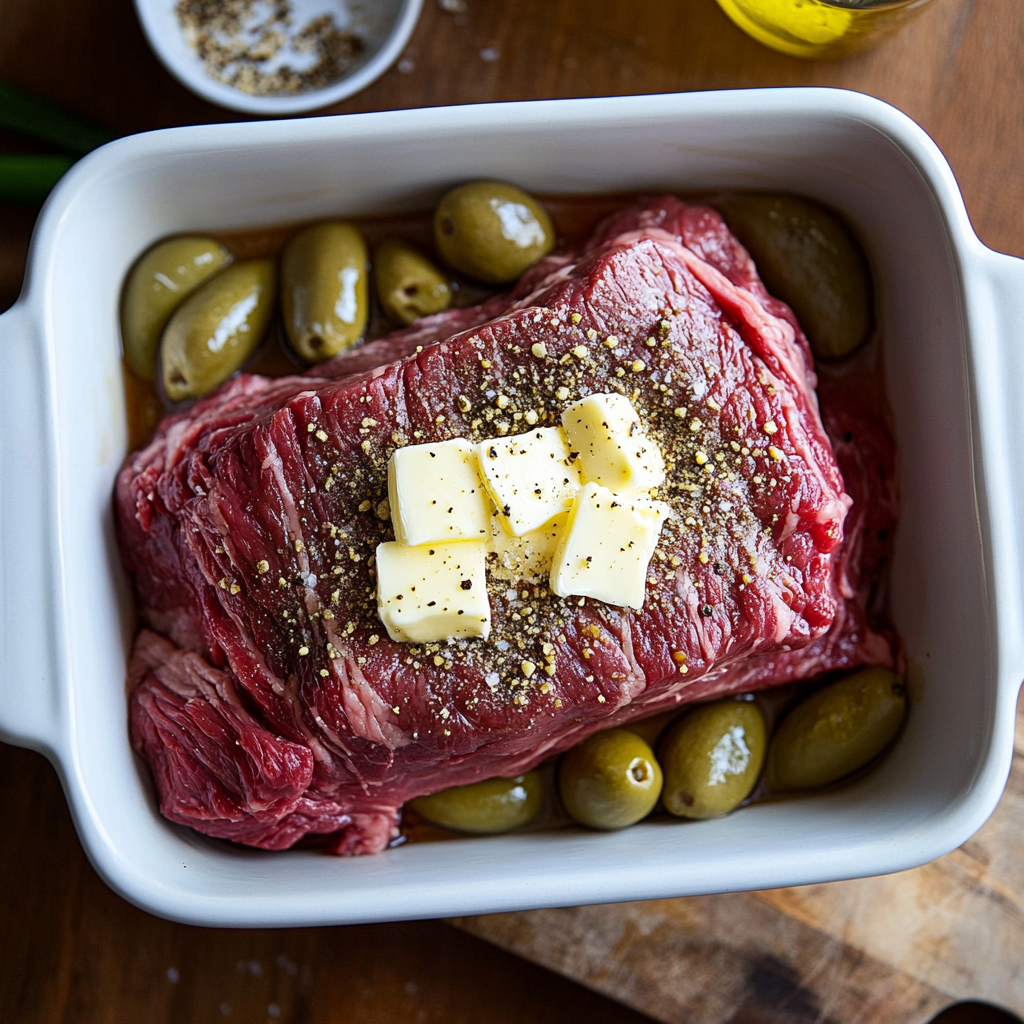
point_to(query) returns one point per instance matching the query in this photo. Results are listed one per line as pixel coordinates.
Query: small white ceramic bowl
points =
(389, 23)
(951, 313)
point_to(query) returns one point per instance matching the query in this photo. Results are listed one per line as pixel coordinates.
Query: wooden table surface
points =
(72, 951)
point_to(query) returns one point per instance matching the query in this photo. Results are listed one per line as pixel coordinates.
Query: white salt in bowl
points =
(384, 25)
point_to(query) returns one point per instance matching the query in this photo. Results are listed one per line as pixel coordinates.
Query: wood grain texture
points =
(890, 950)
(75, 953)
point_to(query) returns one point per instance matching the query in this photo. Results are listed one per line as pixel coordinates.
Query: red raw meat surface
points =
(268, 699)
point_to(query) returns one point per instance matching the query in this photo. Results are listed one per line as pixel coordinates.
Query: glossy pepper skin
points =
(837, 729)
(610, 780)
(492, 231)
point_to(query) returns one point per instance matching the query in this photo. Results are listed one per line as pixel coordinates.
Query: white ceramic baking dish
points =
(951, 313)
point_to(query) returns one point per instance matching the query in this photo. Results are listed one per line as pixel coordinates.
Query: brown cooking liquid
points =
(575, 219)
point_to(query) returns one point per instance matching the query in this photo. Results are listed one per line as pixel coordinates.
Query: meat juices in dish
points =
(279, 708)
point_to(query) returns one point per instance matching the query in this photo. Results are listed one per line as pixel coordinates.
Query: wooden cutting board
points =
(892, 949)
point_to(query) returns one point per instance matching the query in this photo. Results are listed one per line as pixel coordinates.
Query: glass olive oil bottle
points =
(819, 28)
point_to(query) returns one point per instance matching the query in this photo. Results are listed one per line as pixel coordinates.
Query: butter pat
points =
(433, 591)
(614, 450)
(436, 495)
(606, 547)
(526, 558)
(531, 477)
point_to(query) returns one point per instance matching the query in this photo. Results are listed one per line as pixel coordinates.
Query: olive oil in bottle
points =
(819, 28)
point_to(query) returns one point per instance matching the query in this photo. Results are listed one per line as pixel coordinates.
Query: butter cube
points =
(436, 495)
(531, 477)
(526, 558)
(614, 450)
(606, 547)
(433, 591)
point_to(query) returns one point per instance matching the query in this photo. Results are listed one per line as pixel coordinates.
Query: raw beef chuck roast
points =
(268, 699)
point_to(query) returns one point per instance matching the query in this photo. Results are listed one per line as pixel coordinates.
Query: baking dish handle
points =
(1000, 359)
(29, 711)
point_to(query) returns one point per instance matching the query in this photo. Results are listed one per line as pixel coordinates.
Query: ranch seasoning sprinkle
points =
(255, 45)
